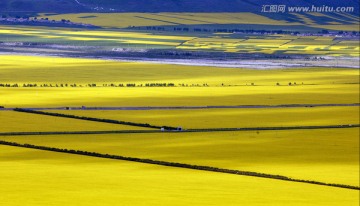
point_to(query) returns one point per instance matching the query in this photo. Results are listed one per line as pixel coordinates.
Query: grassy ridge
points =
(94, 119)
(301, 154)
(174, 164)
(16, 121)
(231, 118)
(321, 85)
(32, 176)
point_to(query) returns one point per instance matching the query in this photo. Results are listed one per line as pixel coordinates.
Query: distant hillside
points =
(35, 6)
(72, 6)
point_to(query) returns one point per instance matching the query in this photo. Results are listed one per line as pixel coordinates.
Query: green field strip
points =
(77, 132)
(177, 17)
(141, 17)
(337, 19)
(290, 41)
(350, 16)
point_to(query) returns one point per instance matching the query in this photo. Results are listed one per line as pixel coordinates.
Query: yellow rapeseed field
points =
(276, 43)
(270, 44)
(38, 178)
(32, 177)
(123, 20)
(36, 69)
(314, 85)
(232, 118)
(22, 122)
(328, 155)
(178, 96)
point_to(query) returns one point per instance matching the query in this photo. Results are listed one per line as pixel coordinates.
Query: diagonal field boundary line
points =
(79, 132)
(163, 128)
(177, 165)
(192, 107)
(93, 119)
(179, 131)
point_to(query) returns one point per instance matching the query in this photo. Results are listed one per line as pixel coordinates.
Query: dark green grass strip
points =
(159, 20)
(179, 131)
(78, 132)
(94, 119)
(191, 107)
(175, 164)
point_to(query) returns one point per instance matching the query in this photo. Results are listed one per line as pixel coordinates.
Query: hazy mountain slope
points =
(19, 6)
(69, 6)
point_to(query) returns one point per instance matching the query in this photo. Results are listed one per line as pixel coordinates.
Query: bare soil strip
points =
(177, 165)
(199, 58)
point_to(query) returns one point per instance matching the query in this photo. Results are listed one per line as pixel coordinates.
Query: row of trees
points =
(105, 85)
(131, 85)
(40, 85)
(34, 18)
(198, 29)
(246, 31)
